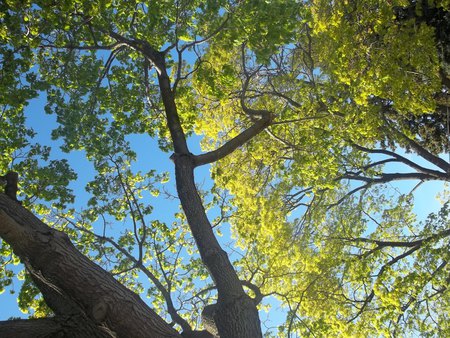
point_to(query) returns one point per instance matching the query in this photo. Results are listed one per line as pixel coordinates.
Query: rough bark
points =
(61, 326)
(237, 315)
(55, 262)
(197, 334)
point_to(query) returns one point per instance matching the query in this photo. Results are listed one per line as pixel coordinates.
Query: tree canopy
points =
(308, 115)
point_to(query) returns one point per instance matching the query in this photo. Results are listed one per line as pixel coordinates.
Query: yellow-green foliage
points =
(358, 54)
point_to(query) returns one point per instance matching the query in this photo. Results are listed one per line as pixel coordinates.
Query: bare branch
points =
(421, 151)
(404, 160)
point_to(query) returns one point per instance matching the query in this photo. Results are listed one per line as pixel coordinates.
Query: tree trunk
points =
(236, 315)
(72, 283)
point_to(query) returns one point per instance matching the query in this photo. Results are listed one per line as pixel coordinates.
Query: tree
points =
(294, 100)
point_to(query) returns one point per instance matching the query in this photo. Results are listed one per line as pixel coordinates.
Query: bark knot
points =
(99, 311)
(175, 157)
(10, 181)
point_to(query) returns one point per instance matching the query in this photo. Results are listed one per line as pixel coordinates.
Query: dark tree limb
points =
(262, 119)
(232, 144)
(75, 326)
(62, 267)
(389, 177)
(138, 264)
(421, 151)
(404, 160)
(234, 305)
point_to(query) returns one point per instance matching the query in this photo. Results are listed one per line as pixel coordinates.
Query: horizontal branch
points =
(402, 159)
(390, 177)
(44, 327)
(84, 47)
(382, 244)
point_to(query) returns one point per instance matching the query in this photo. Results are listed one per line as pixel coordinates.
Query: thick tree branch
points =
(59, 326)
(389, 177)
(421, 151)
(138, 264)
(404, 160)
(231, 297)
(156, 57)
(256, 290)
(380, 244)
(262, 119)
(61, 265)
(232, 144)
